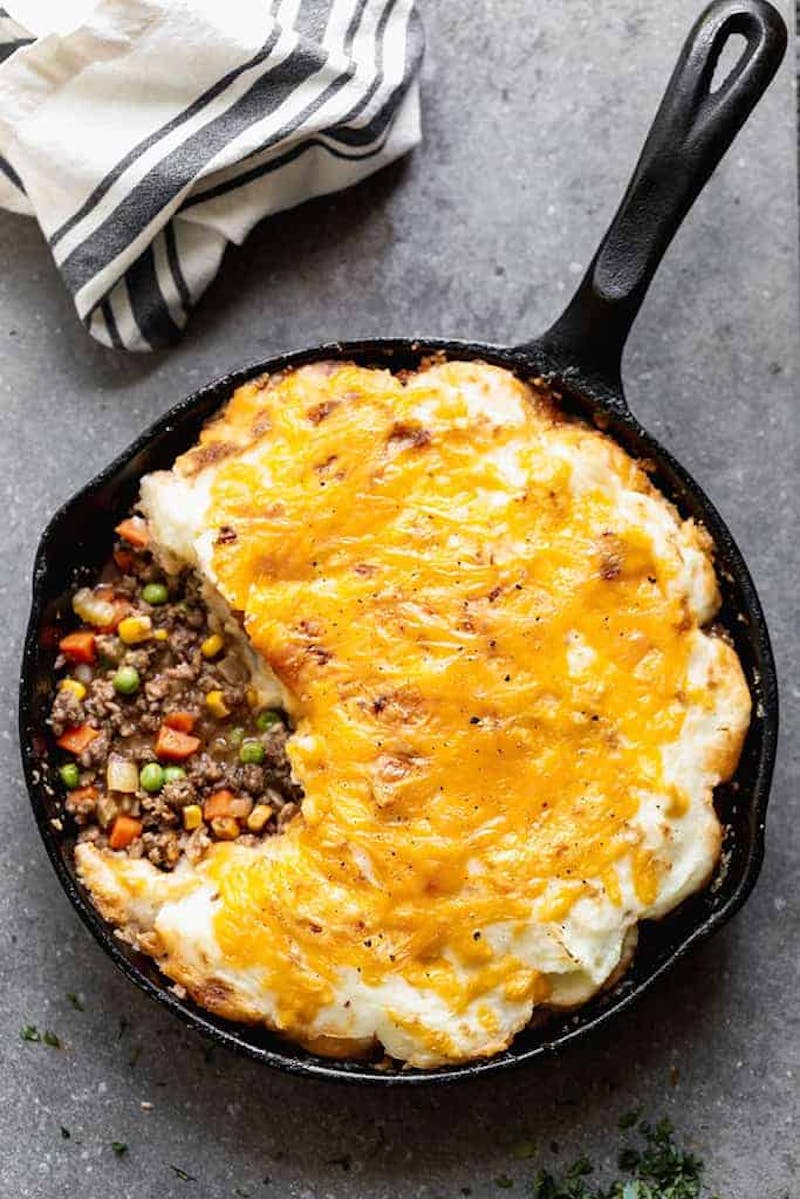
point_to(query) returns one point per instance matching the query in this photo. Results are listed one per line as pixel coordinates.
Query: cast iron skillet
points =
(581, 353)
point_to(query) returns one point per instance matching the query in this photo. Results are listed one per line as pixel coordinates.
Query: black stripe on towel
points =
(152, 193)
(173, 258)
(369, 134)
(174, 123)
(148, 305)
(111, 324)
(10, 174)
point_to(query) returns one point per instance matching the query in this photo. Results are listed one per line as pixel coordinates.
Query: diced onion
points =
(233, 669)
(121, 775)
(241, 806)
(107, 809)
(93, 609)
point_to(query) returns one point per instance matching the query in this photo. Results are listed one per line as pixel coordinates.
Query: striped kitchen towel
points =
(144, 135)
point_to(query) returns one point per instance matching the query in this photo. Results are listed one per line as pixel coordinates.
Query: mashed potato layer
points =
(489, 630)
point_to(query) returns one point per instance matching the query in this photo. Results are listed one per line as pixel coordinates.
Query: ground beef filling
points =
(163, 747)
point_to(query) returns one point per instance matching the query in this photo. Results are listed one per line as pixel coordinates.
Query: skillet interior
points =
(81, 533)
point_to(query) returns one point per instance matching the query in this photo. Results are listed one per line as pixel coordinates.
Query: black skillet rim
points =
(526, 362)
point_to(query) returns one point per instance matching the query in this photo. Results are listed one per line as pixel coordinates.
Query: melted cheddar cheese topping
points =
(486, 624)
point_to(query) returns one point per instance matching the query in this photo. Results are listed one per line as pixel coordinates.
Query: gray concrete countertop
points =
(534, 115)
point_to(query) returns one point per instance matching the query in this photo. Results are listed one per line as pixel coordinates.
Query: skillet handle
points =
(692, 130)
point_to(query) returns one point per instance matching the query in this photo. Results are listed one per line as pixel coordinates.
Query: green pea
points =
(172, 773)
(236, 736)
(126, 680)
(252, 753)
(151, 777)
(155, 593)
(70, 775)
(267, 719)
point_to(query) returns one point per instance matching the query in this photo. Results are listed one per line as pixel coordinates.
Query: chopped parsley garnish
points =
(119, 1147)
(29, 1032)
(181, 1173)
(657, 1170)
(76, 1001)
(504, 1182)
(65, 1133)
(580, 1168)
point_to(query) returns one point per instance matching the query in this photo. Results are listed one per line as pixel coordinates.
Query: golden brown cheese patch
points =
(485, 662)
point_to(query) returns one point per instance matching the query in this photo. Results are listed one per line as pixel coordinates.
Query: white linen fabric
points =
(144, 135)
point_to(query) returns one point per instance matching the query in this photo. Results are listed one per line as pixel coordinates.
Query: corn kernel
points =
(160, 635)
(225, 828)
(75, 686)
(259, 817)
(251, 696)
(192, 816)
(215, 702)
(133, 629)
(211, 646)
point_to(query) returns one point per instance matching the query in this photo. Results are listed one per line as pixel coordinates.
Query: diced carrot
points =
(134, 531)
(218, 804)
(124, 830)
(224, 804)
(124, 560)
(182, 721)
(81, 793)
(79, 646)
(75, 740)
(174, 746)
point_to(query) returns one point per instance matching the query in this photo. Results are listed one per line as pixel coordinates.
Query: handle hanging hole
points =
(730, 56)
